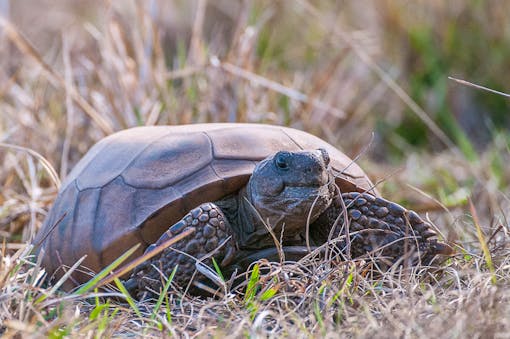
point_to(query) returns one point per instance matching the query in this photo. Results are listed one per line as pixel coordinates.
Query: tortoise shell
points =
(132, 185)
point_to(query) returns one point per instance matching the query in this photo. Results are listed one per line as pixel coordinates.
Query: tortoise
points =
(238, 186)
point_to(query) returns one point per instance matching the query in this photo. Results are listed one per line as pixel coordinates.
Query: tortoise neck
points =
(250, 224)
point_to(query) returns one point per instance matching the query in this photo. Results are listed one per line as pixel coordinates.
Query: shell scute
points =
(168, 160)
(249, 142)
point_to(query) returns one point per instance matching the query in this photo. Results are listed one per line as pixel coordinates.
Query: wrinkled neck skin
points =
(252, 232)
(256, 215)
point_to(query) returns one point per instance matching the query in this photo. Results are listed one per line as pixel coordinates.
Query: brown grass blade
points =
(131, 265)
(26, 47)
(45, 163)
(470, 84)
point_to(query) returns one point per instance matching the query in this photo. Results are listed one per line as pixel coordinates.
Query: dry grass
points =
(72, 74)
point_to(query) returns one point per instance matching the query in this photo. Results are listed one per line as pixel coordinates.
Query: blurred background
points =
(370, 77)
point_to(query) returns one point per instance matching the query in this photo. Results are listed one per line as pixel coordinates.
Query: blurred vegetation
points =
(469, 40)
(419, 45)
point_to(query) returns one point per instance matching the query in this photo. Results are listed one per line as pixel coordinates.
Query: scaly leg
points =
(211, 230)
(380, 227)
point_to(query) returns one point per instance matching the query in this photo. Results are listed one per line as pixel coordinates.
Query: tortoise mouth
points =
(295, 203)
(318, 180)
(320, 184)
(312, 185)
(304, 193)
(296, 190)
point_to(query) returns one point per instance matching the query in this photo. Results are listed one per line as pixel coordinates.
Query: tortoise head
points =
(288, 187)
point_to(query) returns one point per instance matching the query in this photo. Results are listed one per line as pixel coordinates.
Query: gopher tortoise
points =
(238, 186)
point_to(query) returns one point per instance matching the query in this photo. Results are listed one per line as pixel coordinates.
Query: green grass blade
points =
(104, 272)
(218, 269)
(251, 289)
(128, 297)
(163, 293)
(268, 294)
(94, 314)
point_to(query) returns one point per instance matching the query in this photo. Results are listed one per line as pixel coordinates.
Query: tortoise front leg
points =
(212, 237)
(378, 227)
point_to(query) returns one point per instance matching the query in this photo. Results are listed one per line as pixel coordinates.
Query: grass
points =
(362, 76)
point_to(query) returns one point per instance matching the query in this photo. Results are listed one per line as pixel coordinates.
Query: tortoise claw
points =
(229, 257)
(131, 285)
(441, 248)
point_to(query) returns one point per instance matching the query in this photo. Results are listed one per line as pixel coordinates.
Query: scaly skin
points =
(212, 234)
(378, 227)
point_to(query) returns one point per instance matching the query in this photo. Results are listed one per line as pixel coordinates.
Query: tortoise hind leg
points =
(212, 236)
(379, 226)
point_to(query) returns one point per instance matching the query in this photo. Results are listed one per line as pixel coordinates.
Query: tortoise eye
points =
(282, 160)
